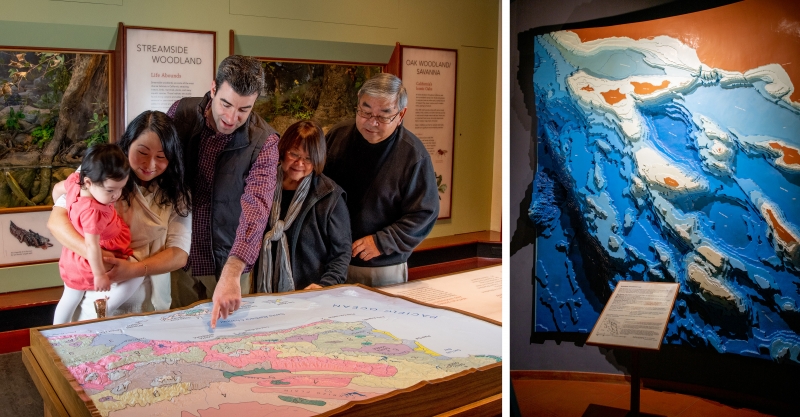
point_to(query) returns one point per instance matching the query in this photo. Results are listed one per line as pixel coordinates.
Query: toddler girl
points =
(91, 194)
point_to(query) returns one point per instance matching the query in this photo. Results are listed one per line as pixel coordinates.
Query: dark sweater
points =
(401, 203)
(319, 238)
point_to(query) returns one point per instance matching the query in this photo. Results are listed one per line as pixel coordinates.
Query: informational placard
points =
(429, 76)
(24, 237)
(479, 291)
(635, 316)
(163, 65)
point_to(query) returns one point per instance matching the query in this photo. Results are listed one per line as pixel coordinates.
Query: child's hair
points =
(171, 189)
(105, 162)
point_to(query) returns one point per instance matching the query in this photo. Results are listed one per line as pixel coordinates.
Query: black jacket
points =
(401, 205)
(319, 238)
(231, 169)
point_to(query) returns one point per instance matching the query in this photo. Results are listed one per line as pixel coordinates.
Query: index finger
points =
(214, 315)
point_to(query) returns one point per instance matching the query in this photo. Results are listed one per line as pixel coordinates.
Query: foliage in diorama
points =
(42, 134)
(12, 123)
(98, 132)
(52, 107)
(325, 93)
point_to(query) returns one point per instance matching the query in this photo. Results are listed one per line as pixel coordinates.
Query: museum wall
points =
(306, 29)
(752, 377)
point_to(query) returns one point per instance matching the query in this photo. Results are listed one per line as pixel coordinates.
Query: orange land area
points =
(613, 96)
(647, 88)
(587, 88)
(790, 155)
(736, 37)
(783, 234)
(669, 181)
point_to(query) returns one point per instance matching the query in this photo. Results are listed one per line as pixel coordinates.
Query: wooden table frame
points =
(474, 392)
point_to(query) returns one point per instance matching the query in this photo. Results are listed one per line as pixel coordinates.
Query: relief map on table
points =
(657, 163)
(285, 355)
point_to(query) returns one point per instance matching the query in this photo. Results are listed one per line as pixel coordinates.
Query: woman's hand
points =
(121, 269)
(313, 287)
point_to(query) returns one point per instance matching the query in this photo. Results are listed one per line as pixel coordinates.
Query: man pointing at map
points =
(230, 158)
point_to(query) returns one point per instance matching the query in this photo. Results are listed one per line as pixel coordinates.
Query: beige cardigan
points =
(153, 228)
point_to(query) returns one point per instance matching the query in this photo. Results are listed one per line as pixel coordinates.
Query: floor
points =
(18, 395)
(556, 398)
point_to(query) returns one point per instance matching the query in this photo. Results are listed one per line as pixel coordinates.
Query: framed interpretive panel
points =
(24, 237)
(345, 349)
(165, 65)
(429, 76)
(635, 316)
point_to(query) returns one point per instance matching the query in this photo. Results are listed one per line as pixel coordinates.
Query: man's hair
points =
(244, 74)
(385, 86)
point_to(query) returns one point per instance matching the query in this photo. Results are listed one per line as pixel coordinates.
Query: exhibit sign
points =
(345, 348)
(429, 76)
(663, 158)
(25, 238)
(165, 65)
(635, 316)
(478, 291)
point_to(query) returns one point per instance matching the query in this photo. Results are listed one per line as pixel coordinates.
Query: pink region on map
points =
(302, 338)
(327, 393)
(251, 408)
(316, 363)
(94, 375)
(323, 380)
(391, 349)
(134, 346)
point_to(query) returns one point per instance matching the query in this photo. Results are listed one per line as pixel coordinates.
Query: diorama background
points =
(53, 105)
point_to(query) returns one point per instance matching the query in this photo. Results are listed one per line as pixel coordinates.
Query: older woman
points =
(158, 213)
(307, 244)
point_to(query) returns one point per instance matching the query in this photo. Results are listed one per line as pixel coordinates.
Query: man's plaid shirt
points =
(256, 200)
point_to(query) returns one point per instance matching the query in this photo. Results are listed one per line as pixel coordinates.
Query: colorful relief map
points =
(656, 165)
(290, 355)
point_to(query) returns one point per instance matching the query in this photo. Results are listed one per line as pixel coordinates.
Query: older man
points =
(389, 180)
(230, 158)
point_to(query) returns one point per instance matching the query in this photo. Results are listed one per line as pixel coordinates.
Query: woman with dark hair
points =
(307, 244)
(157, 211)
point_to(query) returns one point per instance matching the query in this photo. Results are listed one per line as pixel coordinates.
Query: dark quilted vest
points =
(231, 169)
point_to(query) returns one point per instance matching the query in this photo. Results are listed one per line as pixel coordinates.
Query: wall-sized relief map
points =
(298, 354)
(669, 151)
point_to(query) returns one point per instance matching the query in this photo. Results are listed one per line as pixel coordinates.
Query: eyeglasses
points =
(381, 119)
(294, 157)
